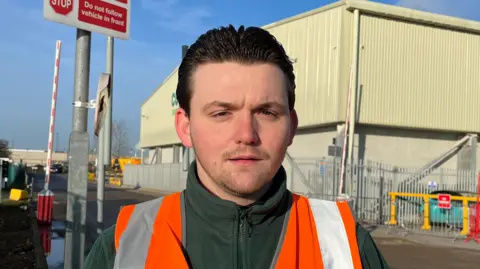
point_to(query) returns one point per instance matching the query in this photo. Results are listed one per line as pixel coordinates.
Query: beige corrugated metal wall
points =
(418, 76)
(410, 74)
(346, 45)
(157, 122)
(313, 42)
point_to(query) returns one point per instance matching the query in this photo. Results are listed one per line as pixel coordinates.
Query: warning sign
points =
(103, 14)
(444, 201)
(108, 17)
(62, 7)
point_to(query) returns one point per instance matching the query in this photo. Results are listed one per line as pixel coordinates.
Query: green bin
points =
(16, 177)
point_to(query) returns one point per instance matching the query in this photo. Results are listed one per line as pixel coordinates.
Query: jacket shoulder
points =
(155, 200)
(150, 206)
(102, 253)
(144, 207)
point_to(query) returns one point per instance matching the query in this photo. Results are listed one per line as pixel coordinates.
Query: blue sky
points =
(158, 29)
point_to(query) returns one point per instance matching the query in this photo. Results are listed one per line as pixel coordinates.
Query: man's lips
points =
(245, 159)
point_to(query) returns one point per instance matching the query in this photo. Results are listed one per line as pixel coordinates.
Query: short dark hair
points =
(245, 45)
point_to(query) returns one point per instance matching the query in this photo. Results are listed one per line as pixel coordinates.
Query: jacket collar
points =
(212, 208)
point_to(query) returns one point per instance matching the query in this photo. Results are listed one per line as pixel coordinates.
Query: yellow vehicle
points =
(118, 164)
(115, 175)
(115, 171)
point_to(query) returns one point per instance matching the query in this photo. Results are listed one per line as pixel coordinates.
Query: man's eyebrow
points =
(231, 106)
(272, 104)
(218, 104)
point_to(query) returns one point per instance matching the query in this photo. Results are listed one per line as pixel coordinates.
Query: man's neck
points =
(210, 203)
(221, 192)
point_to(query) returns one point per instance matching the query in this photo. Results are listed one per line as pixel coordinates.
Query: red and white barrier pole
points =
(476, 235)
(474, 216)
(45, 197)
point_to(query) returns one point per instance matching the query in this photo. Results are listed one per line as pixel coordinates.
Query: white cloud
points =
(468, 9)
(174, 16)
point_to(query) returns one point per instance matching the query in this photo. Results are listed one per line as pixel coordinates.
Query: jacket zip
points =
(244, 230)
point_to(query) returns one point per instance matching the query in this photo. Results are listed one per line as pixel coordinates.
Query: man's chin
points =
(247, 187)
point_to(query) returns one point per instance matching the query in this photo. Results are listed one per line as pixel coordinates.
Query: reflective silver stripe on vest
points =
(332, 236)
(134, 242)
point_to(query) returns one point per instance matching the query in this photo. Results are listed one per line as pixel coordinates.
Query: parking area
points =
(438, 253)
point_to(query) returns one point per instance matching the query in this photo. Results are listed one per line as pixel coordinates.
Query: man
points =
(236, 90)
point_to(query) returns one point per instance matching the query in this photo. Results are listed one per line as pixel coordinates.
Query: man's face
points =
(239, 124)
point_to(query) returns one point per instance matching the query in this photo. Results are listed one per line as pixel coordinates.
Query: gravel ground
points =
(16, 245)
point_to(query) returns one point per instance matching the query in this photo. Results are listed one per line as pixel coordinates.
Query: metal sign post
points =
(105, 139)
(102, 108)
(78, 157)
(111, 18)
(108, 116)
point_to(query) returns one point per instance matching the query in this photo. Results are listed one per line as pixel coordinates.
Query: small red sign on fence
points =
(444, 201)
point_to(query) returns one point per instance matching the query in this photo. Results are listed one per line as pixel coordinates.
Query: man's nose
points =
(246, 131)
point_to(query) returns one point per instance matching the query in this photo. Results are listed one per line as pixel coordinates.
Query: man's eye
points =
(267, 112)
(220, 114)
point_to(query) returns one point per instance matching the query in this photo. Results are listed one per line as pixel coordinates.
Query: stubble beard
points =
(231, 182)
(259, 177)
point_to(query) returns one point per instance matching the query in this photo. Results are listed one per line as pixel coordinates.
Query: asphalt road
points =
(399, 252)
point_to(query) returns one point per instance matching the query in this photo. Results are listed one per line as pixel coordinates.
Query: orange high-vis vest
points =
(316, 234)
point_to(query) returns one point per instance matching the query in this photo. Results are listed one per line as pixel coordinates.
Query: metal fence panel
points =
(164, 177)
(368, 184)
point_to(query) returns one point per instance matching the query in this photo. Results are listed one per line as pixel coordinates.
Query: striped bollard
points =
(45, 207)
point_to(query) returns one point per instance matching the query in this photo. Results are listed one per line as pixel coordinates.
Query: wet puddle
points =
(53, 241)
(56, 247)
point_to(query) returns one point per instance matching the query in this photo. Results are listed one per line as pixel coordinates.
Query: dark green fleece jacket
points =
(221, 234)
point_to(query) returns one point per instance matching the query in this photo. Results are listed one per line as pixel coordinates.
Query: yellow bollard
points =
(91, 176)
(426, 214)
(466, 224)
(393, 210)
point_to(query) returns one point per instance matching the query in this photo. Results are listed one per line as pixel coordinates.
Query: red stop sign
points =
(62, 7)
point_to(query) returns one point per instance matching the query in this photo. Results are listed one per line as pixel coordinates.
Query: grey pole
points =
(105, 141)
(108, 116)
(78, 157)
(100, 179)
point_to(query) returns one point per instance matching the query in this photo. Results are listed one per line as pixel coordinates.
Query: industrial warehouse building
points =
(32, 157)
(415, 80)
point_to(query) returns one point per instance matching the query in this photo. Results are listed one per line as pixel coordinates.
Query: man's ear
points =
(294, 125)
(182, 125)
